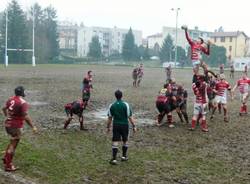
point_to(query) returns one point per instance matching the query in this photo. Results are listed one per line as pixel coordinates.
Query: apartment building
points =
(236, 43)
(158, 39)
(111, 39)
(67, 35)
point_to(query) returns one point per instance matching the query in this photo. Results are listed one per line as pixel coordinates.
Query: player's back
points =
(16, 110)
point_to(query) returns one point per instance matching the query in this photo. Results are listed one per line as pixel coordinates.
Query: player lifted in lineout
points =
(197, 48)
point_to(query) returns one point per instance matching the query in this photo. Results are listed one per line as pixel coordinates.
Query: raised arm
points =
(206, 50)
(188, 37)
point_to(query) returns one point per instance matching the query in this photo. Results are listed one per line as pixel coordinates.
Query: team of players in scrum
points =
(210, 93)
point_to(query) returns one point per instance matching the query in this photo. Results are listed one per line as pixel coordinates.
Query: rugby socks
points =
(7, 159)
(124, 150)
(114, 152)
(204, 125)
(159, 118)
(193, 124)
(169, 119)
(244, 108)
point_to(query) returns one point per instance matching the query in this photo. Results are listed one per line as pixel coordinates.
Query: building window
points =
(222, 39)
(230, 48)
(215, 40)
(231, 39)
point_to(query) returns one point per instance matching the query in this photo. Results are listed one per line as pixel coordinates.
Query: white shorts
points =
(220, 99)
(196, 63)
(200, 108)
(244, 97)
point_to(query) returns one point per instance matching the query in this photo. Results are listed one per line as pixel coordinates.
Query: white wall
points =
(114, 40)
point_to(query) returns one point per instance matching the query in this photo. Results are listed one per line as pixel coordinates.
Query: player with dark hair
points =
(168, 71)
(165, 104)
(75, 108)
(221, 68)
(120, 114)
(16, 112)
(140, 74)
(232, 70)
(86, 87)
(181, 103)
(221, 88)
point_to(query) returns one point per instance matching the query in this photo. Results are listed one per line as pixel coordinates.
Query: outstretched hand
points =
(34, 129)
(184, 27)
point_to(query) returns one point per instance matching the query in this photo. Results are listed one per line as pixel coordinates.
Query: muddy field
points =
(157, 154)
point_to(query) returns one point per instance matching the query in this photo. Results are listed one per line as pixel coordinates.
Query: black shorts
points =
(162, 107)
(120, 132)
(85, 96)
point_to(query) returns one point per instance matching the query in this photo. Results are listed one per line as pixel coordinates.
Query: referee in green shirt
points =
(120, 113)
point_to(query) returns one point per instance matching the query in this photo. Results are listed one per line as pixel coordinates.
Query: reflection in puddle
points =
(139, 117)
(37, 103)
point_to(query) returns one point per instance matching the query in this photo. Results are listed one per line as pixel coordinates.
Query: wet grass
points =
(156, 155)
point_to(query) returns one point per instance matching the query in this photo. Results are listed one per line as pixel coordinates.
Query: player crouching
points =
(165, 104)
(76, 108)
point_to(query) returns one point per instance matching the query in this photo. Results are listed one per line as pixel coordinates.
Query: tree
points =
(166, 52)
(217, 56)
(41, 40)
(18, 37)
(51, 31)
(128, 46)
(46, 36)
(181, 54)
(95, 50)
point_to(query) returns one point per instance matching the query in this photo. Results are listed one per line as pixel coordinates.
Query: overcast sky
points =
(151, 15)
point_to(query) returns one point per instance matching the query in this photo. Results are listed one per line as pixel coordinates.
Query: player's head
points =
(118, 94)
(244, 75)
(180, 87)
(19, 91)
(169, 88)
(222, 77)
(200, 40)
(90, 73)
(173, 81)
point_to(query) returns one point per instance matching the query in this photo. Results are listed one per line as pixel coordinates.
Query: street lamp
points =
(6, 38)
(176, 26)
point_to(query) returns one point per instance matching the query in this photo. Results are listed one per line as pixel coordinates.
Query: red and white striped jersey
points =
(200, 93)
(196, 48)
(243, 85)
(221, 87)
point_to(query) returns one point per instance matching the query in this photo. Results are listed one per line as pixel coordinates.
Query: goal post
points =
(19, 49)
